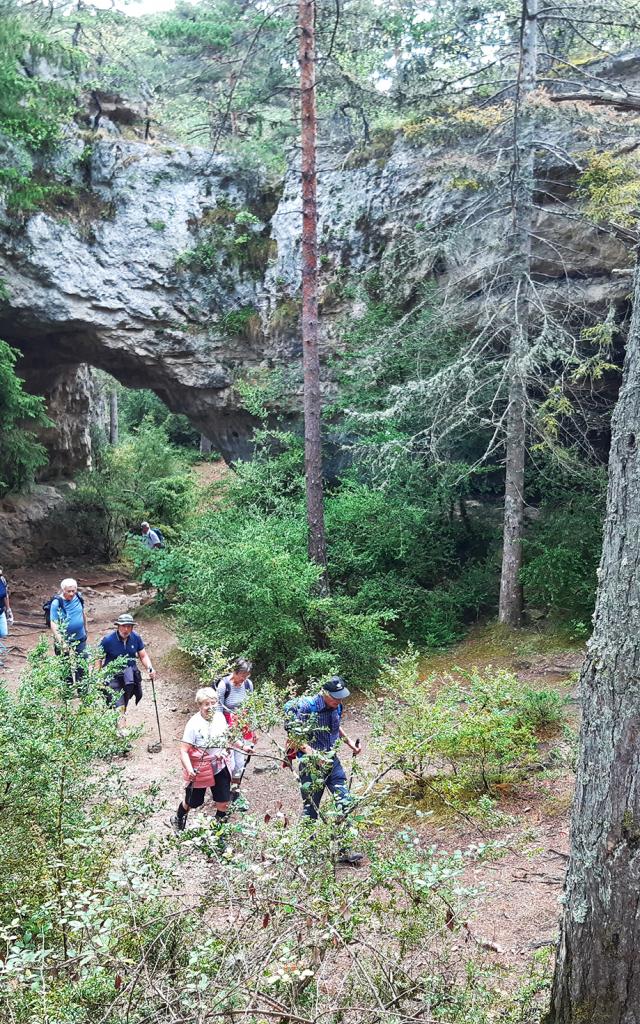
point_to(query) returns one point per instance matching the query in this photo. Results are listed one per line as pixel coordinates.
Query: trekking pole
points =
(155, 748)
(353, 762)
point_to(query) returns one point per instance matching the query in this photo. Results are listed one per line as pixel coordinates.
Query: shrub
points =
(562, 551)
(21, 454)
(477, 731)
(142, 478)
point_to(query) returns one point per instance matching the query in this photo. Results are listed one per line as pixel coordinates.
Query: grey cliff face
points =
(174, 266)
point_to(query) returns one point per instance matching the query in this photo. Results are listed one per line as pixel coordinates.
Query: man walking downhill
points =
(68, 623)
(314, 727)
(124, 642)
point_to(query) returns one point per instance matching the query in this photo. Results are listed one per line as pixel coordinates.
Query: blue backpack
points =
(46, 607)
(3, 593)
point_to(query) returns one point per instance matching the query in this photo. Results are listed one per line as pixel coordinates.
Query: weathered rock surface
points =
(176, 270)
(25, 523)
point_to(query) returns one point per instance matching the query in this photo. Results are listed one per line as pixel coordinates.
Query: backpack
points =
(46, 607)
(3, 593)
(159, 534)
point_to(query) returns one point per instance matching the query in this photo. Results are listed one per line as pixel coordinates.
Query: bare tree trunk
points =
(510, 607)
(597, 979)
(205, 445)
(310, 355)
(113, 416)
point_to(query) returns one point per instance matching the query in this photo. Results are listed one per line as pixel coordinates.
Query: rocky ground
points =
(518, 884)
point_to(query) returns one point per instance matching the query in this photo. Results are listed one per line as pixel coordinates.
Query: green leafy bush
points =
(475, 732)
(135, 406)
(142, 478)
(562, 549)
(21, 454)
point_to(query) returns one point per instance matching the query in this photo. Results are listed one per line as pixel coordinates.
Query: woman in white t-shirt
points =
(206, 759)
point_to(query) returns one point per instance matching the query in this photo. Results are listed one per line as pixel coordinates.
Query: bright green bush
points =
(476, 731)
(562, 550)
(21, 454)
(145, 477)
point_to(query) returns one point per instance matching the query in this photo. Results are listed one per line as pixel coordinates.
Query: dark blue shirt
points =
(114, 647)
(323, 723)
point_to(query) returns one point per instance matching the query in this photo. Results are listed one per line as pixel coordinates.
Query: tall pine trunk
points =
(310, 354)
(510, 607)
(597, 979)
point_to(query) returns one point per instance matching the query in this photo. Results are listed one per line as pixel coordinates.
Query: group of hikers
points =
(218, 740)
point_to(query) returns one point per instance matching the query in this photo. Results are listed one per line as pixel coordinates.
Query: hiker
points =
(232, 692)
(313, 725)
(68, 623)
(205, 755)
(127, 683)
(150, 537)
(6, 615)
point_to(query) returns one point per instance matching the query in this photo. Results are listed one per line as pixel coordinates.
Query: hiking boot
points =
(177, 823)
(350, 857)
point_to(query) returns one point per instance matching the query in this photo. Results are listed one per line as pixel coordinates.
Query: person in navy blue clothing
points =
(127, 683)
(314, 727)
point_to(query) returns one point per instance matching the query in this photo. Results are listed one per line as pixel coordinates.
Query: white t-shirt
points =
(211, 736)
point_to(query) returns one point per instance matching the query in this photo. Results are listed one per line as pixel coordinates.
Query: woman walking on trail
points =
(233, 690)
(206, 759)
(6, 615)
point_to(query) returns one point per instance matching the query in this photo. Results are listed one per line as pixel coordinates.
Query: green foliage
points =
(144, 477)
(231, 237)
(609, 188)
(136, 406)
(562, 548)
(474, 732)
(33, 109)
(21, 454)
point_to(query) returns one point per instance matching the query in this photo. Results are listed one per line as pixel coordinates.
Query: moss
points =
(378, 150)
(243, 322)
(286, 316)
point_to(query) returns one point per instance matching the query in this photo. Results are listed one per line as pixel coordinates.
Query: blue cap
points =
(336, 688)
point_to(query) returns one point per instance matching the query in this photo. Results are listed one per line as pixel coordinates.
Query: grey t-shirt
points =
(237, 694)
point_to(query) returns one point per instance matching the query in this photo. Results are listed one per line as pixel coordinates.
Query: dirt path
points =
(519, 885)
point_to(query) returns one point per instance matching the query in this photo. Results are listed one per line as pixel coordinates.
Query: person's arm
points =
(54, 610)
(352, 746)
(154, 540)
(84, 619)
(186, 760)
(146, 661)
(7, 607)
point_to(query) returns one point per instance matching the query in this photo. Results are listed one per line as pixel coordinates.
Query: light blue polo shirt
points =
(69, 614)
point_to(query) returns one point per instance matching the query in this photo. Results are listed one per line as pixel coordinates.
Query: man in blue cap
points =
(314, 727)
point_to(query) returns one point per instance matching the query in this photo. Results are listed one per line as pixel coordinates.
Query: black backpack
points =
(46, 607)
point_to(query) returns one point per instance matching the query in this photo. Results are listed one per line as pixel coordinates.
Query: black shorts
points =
(221, 791)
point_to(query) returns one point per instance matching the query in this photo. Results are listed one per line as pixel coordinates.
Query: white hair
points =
(144, 524)
(68, 583)
(205, 693)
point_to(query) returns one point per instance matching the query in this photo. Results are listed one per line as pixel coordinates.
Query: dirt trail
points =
(517, 905)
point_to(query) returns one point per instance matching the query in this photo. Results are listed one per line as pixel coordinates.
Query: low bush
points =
(475, 732)
(562, 551)
(145, 477)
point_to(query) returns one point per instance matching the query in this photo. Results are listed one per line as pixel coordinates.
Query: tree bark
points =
(205, 445)
(510, 607)
(113, 416)
(310, 354)
(597, 978)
